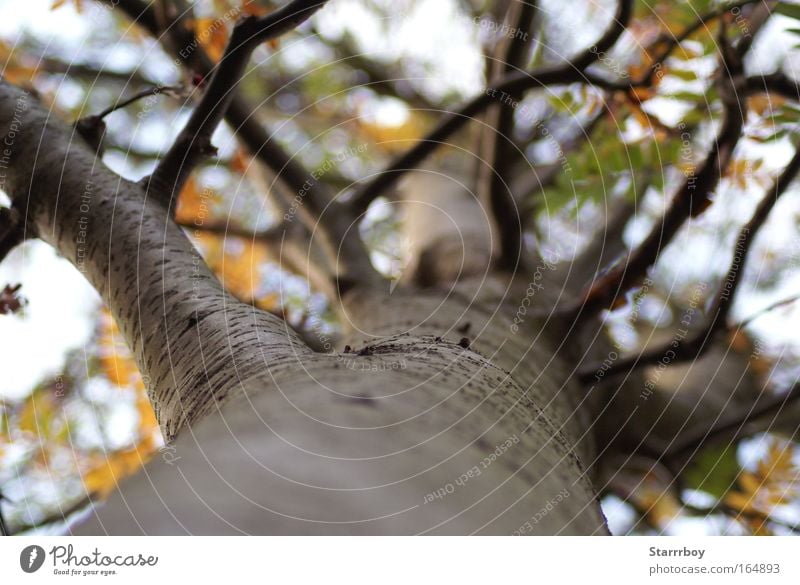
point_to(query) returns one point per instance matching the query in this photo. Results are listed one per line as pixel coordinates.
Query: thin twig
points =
(175, 37)
(93, 129)
(545, 175)
(55, 66)
(223, 228)
(769, 308)
(152, 91)
(671, 43)
(773, 83)
(754, 23)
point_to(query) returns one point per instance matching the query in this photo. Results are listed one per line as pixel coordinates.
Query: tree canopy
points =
(644, 151)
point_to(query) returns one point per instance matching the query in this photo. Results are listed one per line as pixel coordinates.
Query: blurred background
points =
(356, 85)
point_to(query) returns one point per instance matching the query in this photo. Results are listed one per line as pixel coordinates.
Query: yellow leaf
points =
(270, 302)
(659, 505)
(739, 501)
(212, 35)
(59, 3)
(36, 414)
(775, 482)
(19, 74)
(758, 526)
(750, 483)
(740, 342)
(116, 361)
(239, 270)
(194, 204)
(104, 477)
(761, 103)
(148, 424)
(393, 138)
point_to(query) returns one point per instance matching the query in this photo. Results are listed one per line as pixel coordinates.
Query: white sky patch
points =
(34, 16)
(618, 514)
(431, 40)
(385, 111)
(59, 317)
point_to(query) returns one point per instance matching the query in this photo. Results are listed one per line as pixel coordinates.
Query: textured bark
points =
(189, 337)
(269, 437)
(360, 443)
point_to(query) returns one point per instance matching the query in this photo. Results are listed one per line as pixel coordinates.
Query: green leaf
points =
(714, 470)
(685, 74)
(771, 137)
(787, 9)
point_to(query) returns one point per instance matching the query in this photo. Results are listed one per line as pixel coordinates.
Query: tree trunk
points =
(446, 417)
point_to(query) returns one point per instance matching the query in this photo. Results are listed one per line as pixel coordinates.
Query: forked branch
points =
(694, 347)
(194, 140)
(513, 84)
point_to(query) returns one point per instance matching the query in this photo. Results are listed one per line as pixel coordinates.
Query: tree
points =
(468, 393)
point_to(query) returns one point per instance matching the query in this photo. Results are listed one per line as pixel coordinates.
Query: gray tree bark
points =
(445, 417)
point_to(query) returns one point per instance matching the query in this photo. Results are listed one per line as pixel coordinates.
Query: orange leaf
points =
(212, 35)
(193, 203)
(116, 361)
(240, 161)
(103, 478)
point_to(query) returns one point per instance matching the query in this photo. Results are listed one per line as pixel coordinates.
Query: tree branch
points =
(679, 350)
(381, 78)
(570, 72)
(499, 147)
(769, 308)
(92, 128)
(62, 515)
(223, 228)
(150, 91)
(86, 71)
(734, 427)
(125, 244)
(690, 201)
(194, 140)
(673, 42)
(776, 83)
(670, 44)
(342, 244)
